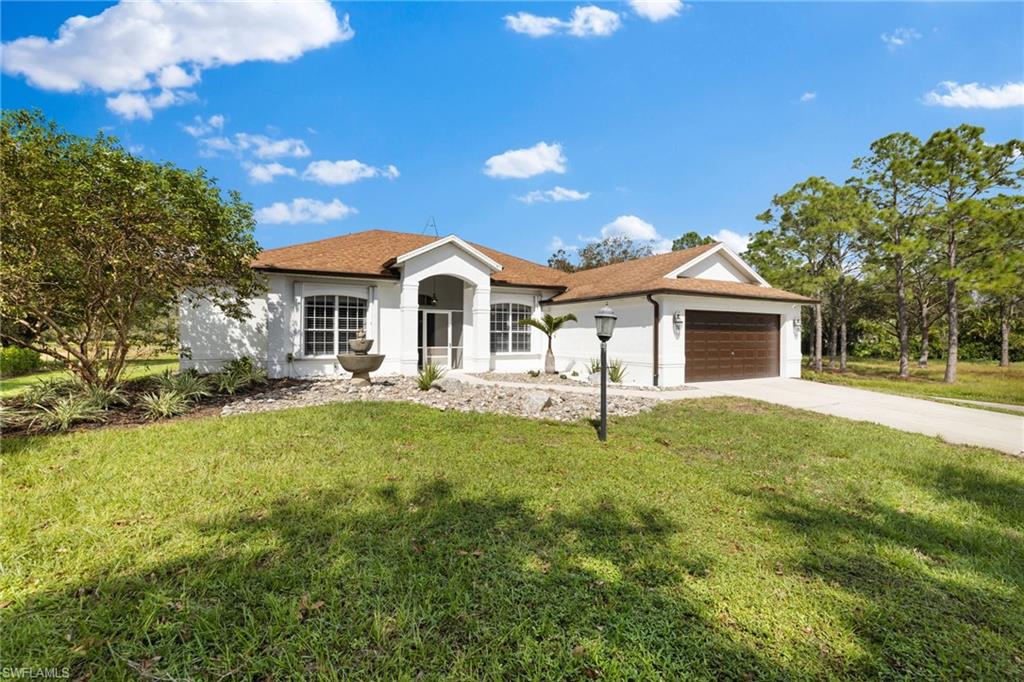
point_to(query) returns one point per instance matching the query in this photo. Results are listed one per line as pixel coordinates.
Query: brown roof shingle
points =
(372, 254)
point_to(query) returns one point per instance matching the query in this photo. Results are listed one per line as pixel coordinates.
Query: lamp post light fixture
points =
(604, 320)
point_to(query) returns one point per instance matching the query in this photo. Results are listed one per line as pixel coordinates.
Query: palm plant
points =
(549, 324)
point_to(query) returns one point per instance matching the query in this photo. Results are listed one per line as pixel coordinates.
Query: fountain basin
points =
(361, 365)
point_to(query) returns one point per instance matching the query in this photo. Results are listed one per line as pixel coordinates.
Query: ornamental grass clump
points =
(616, 371)
(429, 375)
(64, 412)
(163, 404)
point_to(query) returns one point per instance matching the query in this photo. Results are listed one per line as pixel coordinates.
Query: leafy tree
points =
(98, 244)
(1001, 263)
(560, 260)
(891, 182)
(690, 240)
(819, 223)
(549, 324)
(607, 251)
(958, 169)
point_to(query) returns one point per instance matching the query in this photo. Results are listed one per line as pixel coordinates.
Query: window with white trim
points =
(329, 322)
(507, 334)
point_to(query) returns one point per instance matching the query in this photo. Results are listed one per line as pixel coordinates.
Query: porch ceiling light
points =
(605, 322)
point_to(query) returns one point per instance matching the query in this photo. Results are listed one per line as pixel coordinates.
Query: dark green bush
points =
(15, 360)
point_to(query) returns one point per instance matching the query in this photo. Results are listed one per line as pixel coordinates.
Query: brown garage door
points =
(722, 346)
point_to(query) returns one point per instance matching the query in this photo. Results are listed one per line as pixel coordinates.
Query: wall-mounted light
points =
(677, 320)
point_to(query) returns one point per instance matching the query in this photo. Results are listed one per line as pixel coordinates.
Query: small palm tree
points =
(549, 324)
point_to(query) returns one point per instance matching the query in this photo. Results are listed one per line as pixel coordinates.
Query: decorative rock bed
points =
(448, 394)
(564, 380)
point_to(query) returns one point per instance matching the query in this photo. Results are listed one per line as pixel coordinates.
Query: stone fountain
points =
(360, 362)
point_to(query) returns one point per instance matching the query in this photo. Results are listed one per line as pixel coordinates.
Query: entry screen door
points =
(435, 338)
(441, 338)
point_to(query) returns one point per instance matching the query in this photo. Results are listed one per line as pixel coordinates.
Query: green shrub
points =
(10, 418)
(15, 360)
(595, 365)
(48, 391)
(104, 398)
(429, 375)
(534, 373)
(228, 382)
(189, 384)
(163, 404)
(64, 412)
(616, 371)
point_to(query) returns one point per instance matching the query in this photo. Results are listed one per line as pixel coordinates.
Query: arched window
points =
(328, 323)
(507, 335)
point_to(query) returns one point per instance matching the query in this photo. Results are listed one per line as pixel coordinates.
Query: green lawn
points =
(975, 380)
(708, 539)
(134, 369)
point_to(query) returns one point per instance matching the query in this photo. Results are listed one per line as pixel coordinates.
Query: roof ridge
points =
(692, 252)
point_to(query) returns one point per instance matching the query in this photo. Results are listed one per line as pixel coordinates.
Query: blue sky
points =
(403, 112)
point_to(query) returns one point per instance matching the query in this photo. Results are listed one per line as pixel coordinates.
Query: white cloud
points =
(735, 241)
(173, 76)
(593, 21)
(900, 37)
(525, 163)
(532, 25)
(261, 173)
(630, 226)
(975, 96)
(345, 172)
(133, 105)
(556, 194)
(657, 10)
(809, 96)
(199, 127)
(584, 22)
(257, 146)
(134, 45)
(263, 147)
(302, 210)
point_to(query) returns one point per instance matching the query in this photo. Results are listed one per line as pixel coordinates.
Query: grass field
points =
(975, 380)
(134, 369)
(717, 539)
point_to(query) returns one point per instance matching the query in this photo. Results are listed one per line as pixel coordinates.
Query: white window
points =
(330, 321)
(507, 334)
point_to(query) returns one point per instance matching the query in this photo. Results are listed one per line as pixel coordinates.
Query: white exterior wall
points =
(210, 338)
(577, 342)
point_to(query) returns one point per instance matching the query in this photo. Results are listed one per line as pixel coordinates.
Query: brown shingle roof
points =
(647, 276)
(372, 254)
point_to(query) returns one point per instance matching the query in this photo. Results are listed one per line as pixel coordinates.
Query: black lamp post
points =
(604, 320)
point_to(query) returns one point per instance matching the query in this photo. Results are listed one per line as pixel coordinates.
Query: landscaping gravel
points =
(449, 394)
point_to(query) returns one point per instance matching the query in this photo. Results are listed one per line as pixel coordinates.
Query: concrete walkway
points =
(979, 403)
(953, 423)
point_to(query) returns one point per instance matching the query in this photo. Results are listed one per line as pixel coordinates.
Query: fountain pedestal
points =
(360, 361)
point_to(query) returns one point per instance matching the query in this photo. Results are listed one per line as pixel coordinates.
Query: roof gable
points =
(703, 264)
(494, 265)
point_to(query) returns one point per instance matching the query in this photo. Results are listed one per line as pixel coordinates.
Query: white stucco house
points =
(696, 315)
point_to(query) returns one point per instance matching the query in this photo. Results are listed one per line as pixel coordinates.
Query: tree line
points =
(922, 231)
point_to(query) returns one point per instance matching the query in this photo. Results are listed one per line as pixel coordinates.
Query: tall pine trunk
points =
(842, 324)
(952, 305)
(902, 325)
(1005, 313)
(833, 341)
(926, 330)
(817, 335)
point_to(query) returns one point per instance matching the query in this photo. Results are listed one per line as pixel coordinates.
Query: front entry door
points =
(435, 338)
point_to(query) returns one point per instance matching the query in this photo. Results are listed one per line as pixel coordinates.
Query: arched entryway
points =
(442, 321)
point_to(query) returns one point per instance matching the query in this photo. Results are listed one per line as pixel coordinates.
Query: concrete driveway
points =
(1004, 432)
